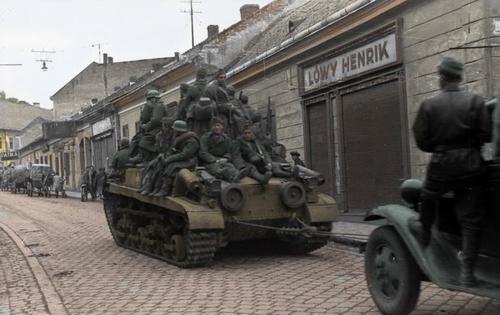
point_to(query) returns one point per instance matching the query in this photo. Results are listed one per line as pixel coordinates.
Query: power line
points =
(191, 12)
(10, 64)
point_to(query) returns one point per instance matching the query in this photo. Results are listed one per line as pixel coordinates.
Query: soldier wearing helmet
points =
(143, 144)
(182, 154)
(120, 159)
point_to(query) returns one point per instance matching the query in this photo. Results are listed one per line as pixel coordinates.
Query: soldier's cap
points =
(180, 125)
(451, 67)
(152, 94)
(294, 153)
(216, 120)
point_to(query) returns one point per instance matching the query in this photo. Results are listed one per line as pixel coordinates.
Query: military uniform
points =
(143, 143)
(217, 154)
(453, 126)
(256, 159)
(120, 160)
(182, 154)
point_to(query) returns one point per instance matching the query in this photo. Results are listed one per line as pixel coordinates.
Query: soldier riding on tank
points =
(255, 157)
(120, 160)
(164, 140)
(182, 154)
(143, 143)
(218, 153)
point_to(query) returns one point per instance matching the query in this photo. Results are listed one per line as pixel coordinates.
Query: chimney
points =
(110, 60)
(36, 104)
(247, 10)
(105, 58)
(213, 31)
(177, 56)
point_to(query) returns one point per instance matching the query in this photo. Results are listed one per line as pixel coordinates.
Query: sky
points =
(126, 29)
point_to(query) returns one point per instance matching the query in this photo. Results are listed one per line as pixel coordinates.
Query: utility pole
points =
(191, 12)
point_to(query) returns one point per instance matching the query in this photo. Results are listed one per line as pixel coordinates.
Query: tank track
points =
(187, 250)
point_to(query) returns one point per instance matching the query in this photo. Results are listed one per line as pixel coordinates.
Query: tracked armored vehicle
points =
(203, 215)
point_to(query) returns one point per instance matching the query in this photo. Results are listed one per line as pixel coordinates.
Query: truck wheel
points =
(392, 275)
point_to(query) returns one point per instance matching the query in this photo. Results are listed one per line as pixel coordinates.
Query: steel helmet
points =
(180, 125)
(152, 94)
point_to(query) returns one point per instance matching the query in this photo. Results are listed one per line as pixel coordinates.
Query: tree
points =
(2, 95)
(12, 100)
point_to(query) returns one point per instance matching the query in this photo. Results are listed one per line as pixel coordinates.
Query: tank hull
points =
(186, 231)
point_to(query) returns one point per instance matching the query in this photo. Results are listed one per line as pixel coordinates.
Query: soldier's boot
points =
(144, 181)
(261, 178)
(157, 186)
(467, 258)
(165, 189)
(148, 186)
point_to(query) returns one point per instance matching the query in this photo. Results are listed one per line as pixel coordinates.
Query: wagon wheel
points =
(392, 275)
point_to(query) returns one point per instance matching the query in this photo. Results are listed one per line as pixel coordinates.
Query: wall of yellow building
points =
(5, 140)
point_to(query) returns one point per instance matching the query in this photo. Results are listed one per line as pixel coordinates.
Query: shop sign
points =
(6, 156)
(376, 54)
(101, 126)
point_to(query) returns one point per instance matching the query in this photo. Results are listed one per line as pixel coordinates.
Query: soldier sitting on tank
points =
(151, 116)
(120, 160)
(217, 153)
(190, 95)
(182, 154)
(254, 156)
(164, 140)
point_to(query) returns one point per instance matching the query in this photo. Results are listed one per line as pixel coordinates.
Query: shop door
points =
(319, 143)
(104, 150)
(372, 144)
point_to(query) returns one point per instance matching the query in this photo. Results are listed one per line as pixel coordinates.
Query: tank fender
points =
(398, 217)
(324, 210)
(202, 217)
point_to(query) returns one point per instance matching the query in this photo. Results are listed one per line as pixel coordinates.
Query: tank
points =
(203, 214)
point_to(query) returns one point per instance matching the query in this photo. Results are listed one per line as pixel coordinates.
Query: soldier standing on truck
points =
(453, 126)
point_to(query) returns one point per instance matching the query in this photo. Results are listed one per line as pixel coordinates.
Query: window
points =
(125, 131)
(1, 143)
(11, 144)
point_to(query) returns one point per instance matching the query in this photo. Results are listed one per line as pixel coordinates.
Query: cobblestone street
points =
(65, 262)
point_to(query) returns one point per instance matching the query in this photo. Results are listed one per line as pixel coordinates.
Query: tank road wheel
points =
(392, 275)
(110, 204)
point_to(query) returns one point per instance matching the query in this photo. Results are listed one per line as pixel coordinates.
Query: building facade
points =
(99, 80)
(346, 84)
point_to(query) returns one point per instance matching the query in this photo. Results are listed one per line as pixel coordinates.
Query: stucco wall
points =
(431, 29)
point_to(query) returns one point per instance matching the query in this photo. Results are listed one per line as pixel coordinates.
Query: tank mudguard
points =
(398, 217)
(438, 261)
(324, 210)
(202, 217)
